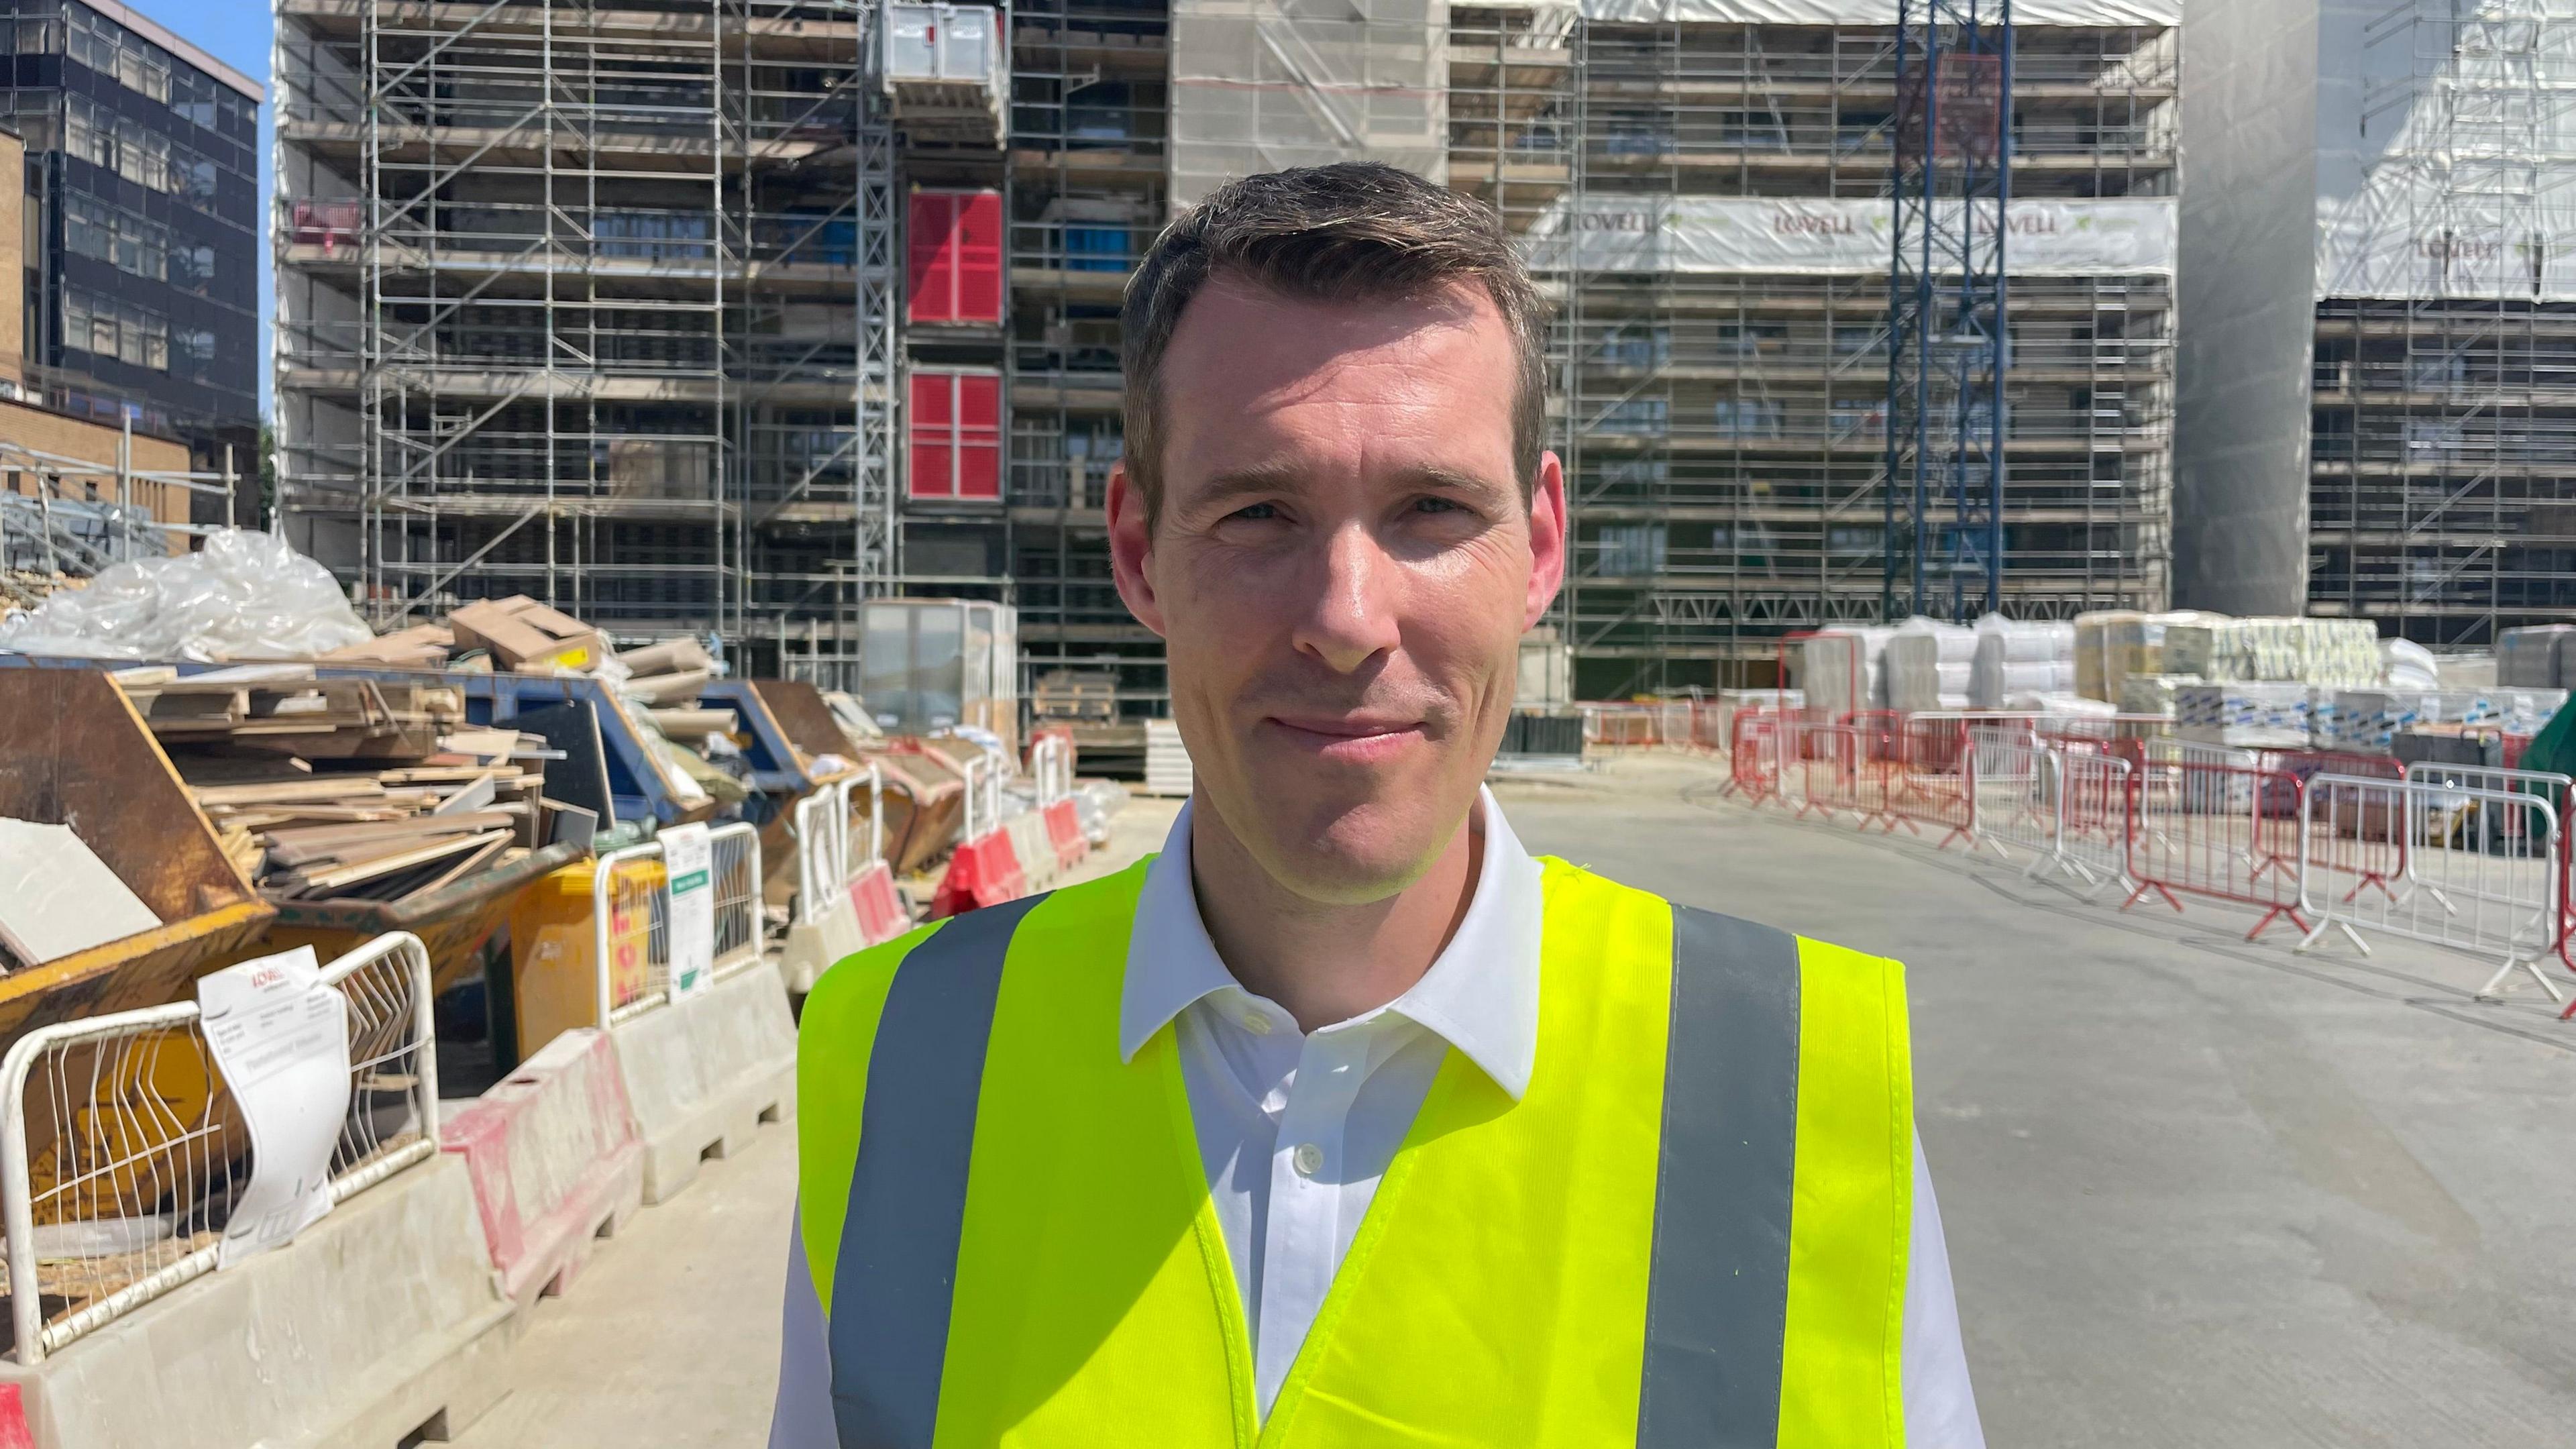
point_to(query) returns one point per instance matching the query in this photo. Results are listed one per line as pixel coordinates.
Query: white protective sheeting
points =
(2474, 193)
(1928, 664)
(1262, 85)
(244, 595)
(1874, 12)
(1817, 236)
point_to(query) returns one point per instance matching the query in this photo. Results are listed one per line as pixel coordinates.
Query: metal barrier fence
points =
(1051, 767)
(2016, 785)
(1621, 725)
(1753, 756)
(2204, 823)
(855, 857)
(821, 826)
(2431, 862)
(121, 1149)
(735, 860)
(2093, 819)
(630, 909)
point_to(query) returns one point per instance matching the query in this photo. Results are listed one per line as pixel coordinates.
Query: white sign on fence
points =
(280, 1038)
(689, 856)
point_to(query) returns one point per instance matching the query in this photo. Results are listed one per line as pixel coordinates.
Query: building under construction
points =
(726, 314)
(2379, 391)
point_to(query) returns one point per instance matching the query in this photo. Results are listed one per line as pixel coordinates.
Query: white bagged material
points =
(2061, 706)
(1843, 670)
(1929, 664)
(2405, 664)
(245, 595)
(2012, 658)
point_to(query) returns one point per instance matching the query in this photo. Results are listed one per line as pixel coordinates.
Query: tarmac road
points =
(2198, 1193)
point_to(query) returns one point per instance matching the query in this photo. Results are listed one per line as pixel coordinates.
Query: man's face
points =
(1342, 570)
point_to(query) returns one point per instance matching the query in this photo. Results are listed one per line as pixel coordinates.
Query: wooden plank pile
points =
(346, 789)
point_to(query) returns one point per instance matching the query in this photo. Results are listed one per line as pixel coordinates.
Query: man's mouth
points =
(1353, 739)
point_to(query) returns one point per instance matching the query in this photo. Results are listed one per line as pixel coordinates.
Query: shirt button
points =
(1309, 1159)
(1255, 1023)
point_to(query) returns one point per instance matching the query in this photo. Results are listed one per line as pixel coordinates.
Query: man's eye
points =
(1256, 511)
(1435, 505)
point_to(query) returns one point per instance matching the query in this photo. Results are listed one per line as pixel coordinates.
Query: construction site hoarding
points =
(2471, 193)
(2116, 13)
(1262, 85)
(1822, 236)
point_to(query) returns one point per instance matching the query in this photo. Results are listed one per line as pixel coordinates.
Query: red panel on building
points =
(956, 434)
(953, 257)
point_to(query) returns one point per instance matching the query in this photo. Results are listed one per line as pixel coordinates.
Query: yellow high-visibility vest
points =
(1691, 1228)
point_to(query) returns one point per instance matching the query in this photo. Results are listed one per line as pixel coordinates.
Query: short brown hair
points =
(1353, 231)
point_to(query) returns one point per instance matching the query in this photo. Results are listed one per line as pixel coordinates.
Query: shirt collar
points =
(1480, 995)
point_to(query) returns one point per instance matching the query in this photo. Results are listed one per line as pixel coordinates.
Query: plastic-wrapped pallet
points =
(2060, 706)
(2114, 644)
(2466, 671)
(2534, 658)
(2333, 653)
(2521, 711)
(2251, 713)
(2020, 658)
(2152, 693)
(1843, 670)
(2405, 664)
(1928, 664)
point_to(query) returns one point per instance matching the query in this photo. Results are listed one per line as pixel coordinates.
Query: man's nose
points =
(1349, 617)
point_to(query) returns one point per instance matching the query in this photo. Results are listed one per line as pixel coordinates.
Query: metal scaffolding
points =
(570, 300)
(1725, 250)
(2443, 456)
(1946, 290)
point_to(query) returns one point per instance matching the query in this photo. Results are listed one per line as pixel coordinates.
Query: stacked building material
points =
(2257, 714)
(1928, 665)
(2535, 658)
(1843, 670)
(2017, 658)
(341, 789)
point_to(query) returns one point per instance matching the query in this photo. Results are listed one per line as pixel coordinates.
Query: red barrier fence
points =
(2214, 830)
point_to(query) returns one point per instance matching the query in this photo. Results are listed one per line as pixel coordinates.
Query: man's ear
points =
(1547, 540)
(1131, 549)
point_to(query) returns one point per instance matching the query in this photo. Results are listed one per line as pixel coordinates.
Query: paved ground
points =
(2198, 1193)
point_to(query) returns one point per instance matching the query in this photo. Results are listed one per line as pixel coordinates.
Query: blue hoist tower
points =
(1948, 342)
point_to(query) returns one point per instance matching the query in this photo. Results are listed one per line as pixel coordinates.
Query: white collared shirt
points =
(1295, 1129)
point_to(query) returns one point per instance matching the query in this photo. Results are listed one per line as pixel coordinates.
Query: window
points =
(125, 146)
(94, 228)
(1635, 415)
(108, 48)
(193, 268)
(111, 329)
(1747, 417)
(39, 37)
(1630, 549)
(196, 351)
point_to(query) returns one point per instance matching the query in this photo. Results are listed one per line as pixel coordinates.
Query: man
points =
(1344, 1121)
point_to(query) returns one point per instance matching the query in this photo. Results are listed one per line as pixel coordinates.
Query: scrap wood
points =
(311, 882)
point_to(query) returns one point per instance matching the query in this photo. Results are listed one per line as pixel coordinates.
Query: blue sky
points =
(237, 33)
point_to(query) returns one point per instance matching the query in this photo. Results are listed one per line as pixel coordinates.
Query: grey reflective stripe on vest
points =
(898, 1262)
(1717, 1293)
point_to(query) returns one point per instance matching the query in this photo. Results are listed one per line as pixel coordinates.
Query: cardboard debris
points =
(423, 646)
(523, 634)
